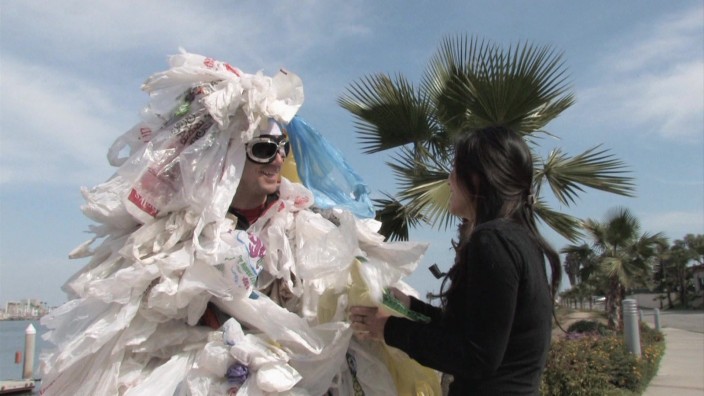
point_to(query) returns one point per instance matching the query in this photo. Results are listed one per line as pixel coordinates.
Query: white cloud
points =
(256, 32)
(116, 26)
(653, 79)
(675, 224)
(672, 101)
(56, 127)
(675, 37)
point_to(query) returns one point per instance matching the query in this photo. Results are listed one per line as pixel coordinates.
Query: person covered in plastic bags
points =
(492, 332)
(257, 192)
(167, 247)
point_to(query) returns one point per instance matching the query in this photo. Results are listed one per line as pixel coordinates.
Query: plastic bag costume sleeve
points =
(164, 248)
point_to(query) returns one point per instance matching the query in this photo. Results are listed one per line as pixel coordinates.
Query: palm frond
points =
(562, 223)
(422, 180)
(432, 199)
(597, 232)
(622, 227)
(648, 245)
(388, 112)
(579, 251)
(475, 84)
(396, 219)
(613, 267)
(596, 169)
(446, 72)
(413, 167)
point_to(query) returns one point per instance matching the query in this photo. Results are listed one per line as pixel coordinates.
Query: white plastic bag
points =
(242, 263)
(318, 371)
(166, 378)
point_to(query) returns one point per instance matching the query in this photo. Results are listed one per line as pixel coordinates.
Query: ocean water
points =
(12, 335)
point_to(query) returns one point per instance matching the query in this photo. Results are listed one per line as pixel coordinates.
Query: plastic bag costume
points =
(166, 248)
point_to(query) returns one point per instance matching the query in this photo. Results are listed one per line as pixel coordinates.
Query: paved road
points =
(684, 320)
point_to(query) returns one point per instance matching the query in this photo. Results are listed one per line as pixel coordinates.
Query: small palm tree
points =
(662, 275)
(626, 257)
(579, 264)
(579, 261)
(470, 84)
(681, 254)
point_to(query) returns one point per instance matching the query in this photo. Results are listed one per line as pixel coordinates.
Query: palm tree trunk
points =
(621, 297)
(612, 302)
(683, 293)
(682, 281)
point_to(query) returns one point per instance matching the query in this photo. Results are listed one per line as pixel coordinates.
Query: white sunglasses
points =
(263, 149)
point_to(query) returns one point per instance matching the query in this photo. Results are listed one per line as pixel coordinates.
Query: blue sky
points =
(70, 76)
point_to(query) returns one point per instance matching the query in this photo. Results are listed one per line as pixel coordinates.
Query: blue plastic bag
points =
(324, 171)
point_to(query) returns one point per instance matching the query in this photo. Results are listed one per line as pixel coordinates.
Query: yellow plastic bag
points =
(410, 377)
(289, 169)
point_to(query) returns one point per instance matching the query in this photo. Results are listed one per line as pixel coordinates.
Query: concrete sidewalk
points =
(681, 371)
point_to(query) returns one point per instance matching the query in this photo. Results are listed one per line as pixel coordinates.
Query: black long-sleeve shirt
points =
(494, 333)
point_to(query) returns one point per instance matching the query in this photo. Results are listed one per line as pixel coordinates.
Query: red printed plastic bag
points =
(160, 181)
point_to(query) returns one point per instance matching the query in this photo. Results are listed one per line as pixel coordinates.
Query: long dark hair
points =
(500, 160)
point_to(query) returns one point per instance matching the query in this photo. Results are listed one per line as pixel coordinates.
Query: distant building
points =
(24, 309)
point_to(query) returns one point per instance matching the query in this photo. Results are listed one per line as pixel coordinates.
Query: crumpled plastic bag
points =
(369, 369)
(268, 364)
(166, 378)
(318, 371)
(322, 169)
(410, 377)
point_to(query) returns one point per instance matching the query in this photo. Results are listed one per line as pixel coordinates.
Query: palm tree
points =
(625, 255)
(672, 269)
(579, 262)
(470, 84)
(695, 244)
(665, 273)
(682, 253)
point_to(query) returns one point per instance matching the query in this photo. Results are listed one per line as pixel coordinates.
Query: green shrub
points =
(649, 335)
(572, 371)
(589, 326)
(623, 366)
(586, 362)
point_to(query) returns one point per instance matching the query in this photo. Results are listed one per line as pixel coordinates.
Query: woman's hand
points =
(401, 296)
(368, 323)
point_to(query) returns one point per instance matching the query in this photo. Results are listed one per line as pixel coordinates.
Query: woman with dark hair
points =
(492, 332)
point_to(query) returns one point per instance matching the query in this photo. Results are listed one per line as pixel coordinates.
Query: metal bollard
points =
(640, 315)
(657, 319)
(29, 335)
(631, 332)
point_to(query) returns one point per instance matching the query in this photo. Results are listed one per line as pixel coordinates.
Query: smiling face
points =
(258, 181)
(261, 174)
